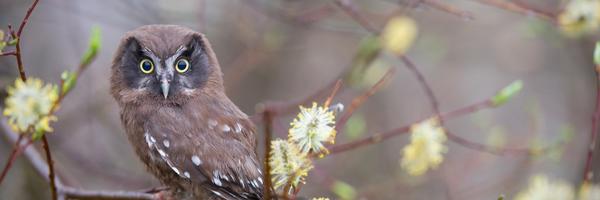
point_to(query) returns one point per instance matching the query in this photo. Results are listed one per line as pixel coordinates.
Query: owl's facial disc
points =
(165, 73)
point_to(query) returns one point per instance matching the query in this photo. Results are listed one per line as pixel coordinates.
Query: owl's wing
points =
(219, 155)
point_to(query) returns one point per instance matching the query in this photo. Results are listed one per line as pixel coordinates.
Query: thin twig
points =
(337, 86)
(8, 53)
(268, 120)
(40, 167)
(519, 8)
(347, 7)
(359, 100)
(351, 10)
(18, 35)
(587, 173)
(50, 162)
(499, 151)
(286, 107)
(441, 5)
(426, 86)
(11, 158)
(73, 193)
(26, 18)
(376, 138)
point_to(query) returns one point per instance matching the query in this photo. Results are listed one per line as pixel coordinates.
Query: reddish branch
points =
(268, 120)
(23, 76)
(40, 166)
(50, 162)
(358, 101)
(18, 36)
(441, 5)
(520, 8)
(17, 149)
(428, 90)
(587, 173)
(8, 53)
(347, 7)
(404, 129)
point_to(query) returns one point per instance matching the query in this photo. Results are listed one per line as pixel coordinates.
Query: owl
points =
(168, 84)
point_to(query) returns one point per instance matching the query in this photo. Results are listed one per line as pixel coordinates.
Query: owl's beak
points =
(164, 86)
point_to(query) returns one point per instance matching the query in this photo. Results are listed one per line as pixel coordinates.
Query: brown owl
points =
(169, 87)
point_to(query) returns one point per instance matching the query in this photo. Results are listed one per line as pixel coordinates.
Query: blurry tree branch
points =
(587, 172)
(520, 8)
(36, 160)
(443, 6)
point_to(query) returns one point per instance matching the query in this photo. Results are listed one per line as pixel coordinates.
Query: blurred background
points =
(285, 50)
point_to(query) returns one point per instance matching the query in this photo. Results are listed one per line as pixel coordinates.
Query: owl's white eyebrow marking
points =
(170, 61)
(147, 52)
(166, 143)
(196, 160)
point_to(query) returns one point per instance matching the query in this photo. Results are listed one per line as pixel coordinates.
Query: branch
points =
(348, 7)
(376, 138)
(430, 95)
(268, 120)
(18, 35)
(73, 193)
(352, 11)
(359, 100)
(520, 8)
(13, 156)
(40, 167)
(441, 5)
(587, 172)
(8, 53)
(50, 162)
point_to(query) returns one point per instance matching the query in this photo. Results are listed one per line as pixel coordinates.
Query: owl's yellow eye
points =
(182, 65)
(146, 66)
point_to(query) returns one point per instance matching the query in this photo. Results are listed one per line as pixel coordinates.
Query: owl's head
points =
(166, 64)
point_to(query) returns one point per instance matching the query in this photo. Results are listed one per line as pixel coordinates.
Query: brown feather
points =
(198, 143)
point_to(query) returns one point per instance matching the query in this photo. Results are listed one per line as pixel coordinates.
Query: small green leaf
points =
(94, 46)
(597, 53)
(343, 190)
(69, 80)
(13, 42)
(507, 93)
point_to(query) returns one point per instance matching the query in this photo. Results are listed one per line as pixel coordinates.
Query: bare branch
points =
(359, 100)
(519, 8)
(587, 173)
(441, 5)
